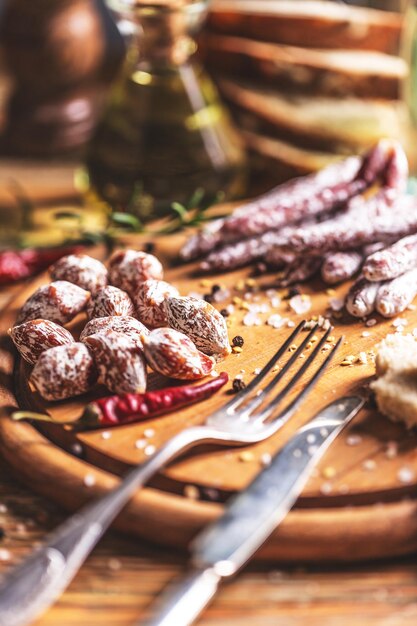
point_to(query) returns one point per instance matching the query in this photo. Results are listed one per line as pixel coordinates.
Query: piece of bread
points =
(395, 388)
(341, 73)
(310, 23)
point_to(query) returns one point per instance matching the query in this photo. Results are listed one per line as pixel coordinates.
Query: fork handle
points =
(31, 587)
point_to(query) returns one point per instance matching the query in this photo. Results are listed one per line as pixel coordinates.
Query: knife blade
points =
(223, 548)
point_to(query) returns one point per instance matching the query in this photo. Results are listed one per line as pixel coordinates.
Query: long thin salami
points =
(361, 298)
(368, 222)
(393, 260)
(300, 270)
(395, 295)
(305, 196)
(340, 266)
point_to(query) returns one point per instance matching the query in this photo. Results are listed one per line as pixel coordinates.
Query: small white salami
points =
(201, 322)
(120, 362)
(174, 355)
(36, 336)
(108, 301)
(129, 326)
(64, 372)
(149, 301)
(58, 302)
(128, 269)
(81, 270)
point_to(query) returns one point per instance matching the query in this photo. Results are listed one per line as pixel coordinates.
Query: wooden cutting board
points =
(359, 504)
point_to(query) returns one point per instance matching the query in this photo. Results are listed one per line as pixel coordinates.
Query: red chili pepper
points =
(20, 264)
(131, 407)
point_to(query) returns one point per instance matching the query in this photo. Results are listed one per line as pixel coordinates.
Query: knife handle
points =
(183, 604)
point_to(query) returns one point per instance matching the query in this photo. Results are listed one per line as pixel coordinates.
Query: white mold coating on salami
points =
(149, 300)
(340, 266)
(395, 295)
(58, 302)
(361, 298)
(108, 301)
(64, 372)
(120, 362)
(81, 270)
(36, 336)
(129, 326)
(201, 322)
(173, 354)
(129, 268)
(392, 261)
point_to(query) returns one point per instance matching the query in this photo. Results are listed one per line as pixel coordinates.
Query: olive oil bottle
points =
(164, 132)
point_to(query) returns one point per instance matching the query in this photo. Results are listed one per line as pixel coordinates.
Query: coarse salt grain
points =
(77, 449)
(275, 302)
(365, 333)
(265, 459)
(325, 488)
(106, 435)
(214, 374)
(89, 480)
(149, 450)
(405, 475)
(140, 444)
(251, 319)
(148, 433)
(3, 509)
(336, 304)
(257, 371)
(300, 304)
(370, 322)
(353, 440)
(369, 465)
(276, 321)
(399, 322)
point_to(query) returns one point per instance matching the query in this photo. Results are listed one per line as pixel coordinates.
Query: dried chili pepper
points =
(20, 264)
(130, 407)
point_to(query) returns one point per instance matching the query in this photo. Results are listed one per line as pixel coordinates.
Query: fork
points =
(31, 587)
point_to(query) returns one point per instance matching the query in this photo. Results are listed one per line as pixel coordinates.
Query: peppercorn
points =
(238, 385)
(224, 313)
(238, 341)
(208, 298)
(292, 291)
(2, 533)
(215, 289)
(149, 247)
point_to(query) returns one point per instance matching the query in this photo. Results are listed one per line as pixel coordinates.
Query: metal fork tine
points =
(264, 371)
(258, 399)
(289, 410)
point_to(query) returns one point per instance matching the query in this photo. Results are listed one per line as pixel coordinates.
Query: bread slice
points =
(308, 23)
(300, 70)
(343, 126)
(395, 388)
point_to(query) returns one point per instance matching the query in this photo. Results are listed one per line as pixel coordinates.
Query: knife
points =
(220, 550)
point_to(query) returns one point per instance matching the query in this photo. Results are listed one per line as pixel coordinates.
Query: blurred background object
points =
(307, 80)
(165, 132)
(60, 57)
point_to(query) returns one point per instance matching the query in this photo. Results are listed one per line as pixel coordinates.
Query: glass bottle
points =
(164, 133)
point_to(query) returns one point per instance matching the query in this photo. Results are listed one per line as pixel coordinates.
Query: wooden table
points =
(121, 578)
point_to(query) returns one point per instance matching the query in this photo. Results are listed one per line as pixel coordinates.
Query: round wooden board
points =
(354, 506)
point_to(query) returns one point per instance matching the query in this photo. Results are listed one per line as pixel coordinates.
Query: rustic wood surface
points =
(122, 577)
